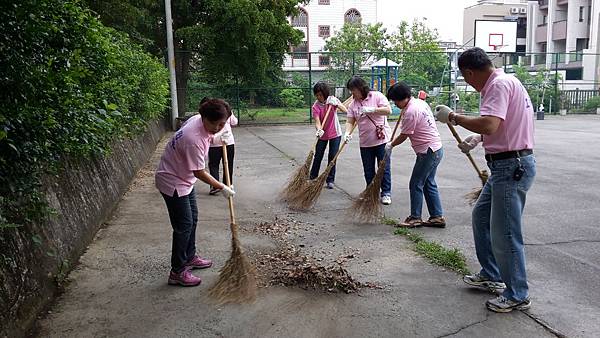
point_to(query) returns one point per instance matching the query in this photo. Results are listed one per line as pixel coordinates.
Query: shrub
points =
(592, 104)
(70, 86)
(292, 98)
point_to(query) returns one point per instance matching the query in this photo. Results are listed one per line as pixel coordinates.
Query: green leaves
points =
(70, 87)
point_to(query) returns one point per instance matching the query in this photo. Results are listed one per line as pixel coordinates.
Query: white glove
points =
(366, 110)
(225, 136)
(227, 191)
(442, 113)
(332, 100)
(320, 133)
(388, 148)
(469, 143)
(347, 137)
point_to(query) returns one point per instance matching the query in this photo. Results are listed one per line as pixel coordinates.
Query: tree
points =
(540, 87)
(233, 41)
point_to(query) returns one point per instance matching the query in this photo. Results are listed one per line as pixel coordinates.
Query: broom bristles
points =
(237, 278)
(308, 195)
(298, 179)
(473, 196)
(367, 207)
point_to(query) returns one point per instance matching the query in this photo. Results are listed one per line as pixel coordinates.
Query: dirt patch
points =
(288, 266)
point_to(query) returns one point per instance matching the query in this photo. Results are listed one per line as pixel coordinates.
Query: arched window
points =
(300, 20)
(352, 16)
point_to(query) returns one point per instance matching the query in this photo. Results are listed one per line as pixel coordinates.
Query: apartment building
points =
(320, 19)
(564, 35)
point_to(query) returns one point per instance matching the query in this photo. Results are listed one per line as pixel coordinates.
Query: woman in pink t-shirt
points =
(181, 164)
(369, 111)
(328, 131)
(215, 154)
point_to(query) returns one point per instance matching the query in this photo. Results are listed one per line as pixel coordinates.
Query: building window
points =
(323, 2)
(300, 51)
(352, 16)
(324, 60)
(300, 20)
(581, 9)
(324, 31)
(574, 74)
(544, 19)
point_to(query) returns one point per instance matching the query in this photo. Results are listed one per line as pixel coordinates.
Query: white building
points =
(319, 20)
(569, 30)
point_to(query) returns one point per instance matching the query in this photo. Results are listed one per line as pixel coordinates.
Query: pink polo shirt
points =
(183, 155)
(331, 127)
(419, 124)
(505, 97)
(216, 141)
(366, 128)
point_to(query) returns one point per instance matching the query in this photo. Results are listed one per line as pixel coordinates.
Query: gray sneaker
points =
(478, 280)
(503, 305)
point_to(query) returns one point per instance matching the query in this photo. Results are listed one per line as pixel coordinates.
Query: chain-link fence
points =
(557, 83)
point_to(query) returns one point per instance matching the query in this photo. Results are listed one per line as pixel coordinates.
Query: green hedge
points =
(69, 87)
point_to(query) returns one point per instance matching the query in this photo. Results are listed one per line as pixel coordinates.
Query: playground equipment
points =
(384, 74)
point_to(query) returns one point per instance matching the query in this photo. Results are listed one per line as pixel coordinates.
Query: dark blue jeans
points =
(370, 157)
(334, 145)
(183, 213)
(422, 182)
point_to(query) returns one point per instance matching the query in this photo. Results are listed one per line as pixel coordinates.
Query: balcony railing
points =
(539, 59)
(575, 56)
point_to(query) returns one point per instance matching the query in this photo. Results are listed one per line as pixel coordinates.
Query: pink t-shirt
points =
(231, 121)
(366, 129)
(505, 97)
(419, 124)
(331, 127)
(183, 155)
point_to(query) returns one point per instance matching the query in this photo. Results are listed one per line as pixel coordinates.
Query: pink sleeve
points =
(495, 102)
(408, 123)
(351, 110)
(233, 121)
(382, 100)
(315, 112)
(193, 157)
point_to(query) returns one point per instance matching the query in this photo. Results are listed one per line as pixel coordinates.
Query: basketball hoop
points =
(496, 41)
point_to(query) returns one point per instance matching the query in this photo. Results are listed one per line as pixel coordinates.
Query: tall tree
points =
(230, 40)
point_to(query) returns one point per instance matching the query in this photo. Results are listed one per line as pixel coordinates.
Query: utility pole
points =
(171, 57)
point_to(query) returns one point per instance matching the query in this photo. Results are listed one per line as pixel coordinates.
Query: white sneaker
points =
(386, 200)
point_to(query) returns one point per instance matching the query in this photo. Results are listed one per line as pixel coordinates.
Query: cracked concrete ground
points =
(119, 288)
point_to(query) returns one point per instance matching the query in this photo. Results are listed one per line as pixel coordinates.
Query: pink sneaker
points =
(198, 263)
(184, 278)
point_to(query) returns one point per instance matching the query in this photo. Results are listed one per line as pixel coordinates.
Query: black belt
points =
(508, 154)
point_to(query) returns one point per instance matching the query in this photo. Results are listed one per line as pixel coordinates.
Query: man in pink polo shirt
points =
(419, 126)
(506, 127)
(370, 110)
(181, 164)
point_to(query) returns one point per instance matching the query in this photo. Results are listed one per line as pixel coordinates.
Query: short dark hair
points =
(474, 59)
(360, 84)
(204, 99)
(399, 91)
(323, 88)
(215, 110)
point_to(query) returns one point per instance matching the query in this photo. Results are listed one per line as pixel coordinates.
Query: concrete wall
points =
(34, 260)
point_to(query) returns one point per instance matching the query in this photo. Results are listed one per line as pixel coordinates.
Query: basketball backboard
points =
(495, 36)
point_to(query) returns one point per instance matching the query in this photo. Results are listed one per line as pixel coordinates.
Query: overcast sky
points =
(444, 15)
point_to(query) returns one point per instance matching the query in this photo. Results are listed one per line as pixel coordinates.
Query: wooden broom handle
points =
(458, 139)
(342, 147)
(323, 124)
(228, 182)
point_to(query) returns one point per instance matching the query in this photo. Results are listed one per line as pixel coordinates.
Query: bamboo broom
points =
(237, 278)
(483, 175)
(312, 190)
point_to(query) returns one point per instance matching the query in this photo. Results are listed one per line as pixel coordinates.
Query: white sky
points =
(444, 15)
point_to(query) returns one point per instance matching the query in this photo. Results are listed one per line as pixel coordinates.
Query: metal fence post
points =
(353, 62)
(387, 74)
(558, 100)
(309, 84)
(237, 97)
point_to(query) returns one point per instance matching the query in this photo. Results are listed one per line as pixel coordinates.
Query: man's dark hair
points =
(321, 87)
(215, 110)
(398, 92)
(360, 84)
(474, 59)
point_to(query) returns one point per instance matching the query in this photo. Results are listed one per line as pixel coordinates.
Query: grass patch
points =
(389, 221)
(435, 253)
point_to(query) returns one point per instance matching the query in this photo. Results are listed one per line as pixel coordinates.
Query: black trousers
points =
(215, 157)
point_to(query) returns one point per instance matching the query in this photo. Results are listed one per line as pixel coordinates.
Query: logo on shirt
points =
(175, 138)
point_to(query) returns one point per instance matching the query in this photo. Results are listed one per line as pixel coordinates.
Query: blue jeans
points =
(334, 145)
(422, 182)
(368, 156)
(183, 213)
(497, 223)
